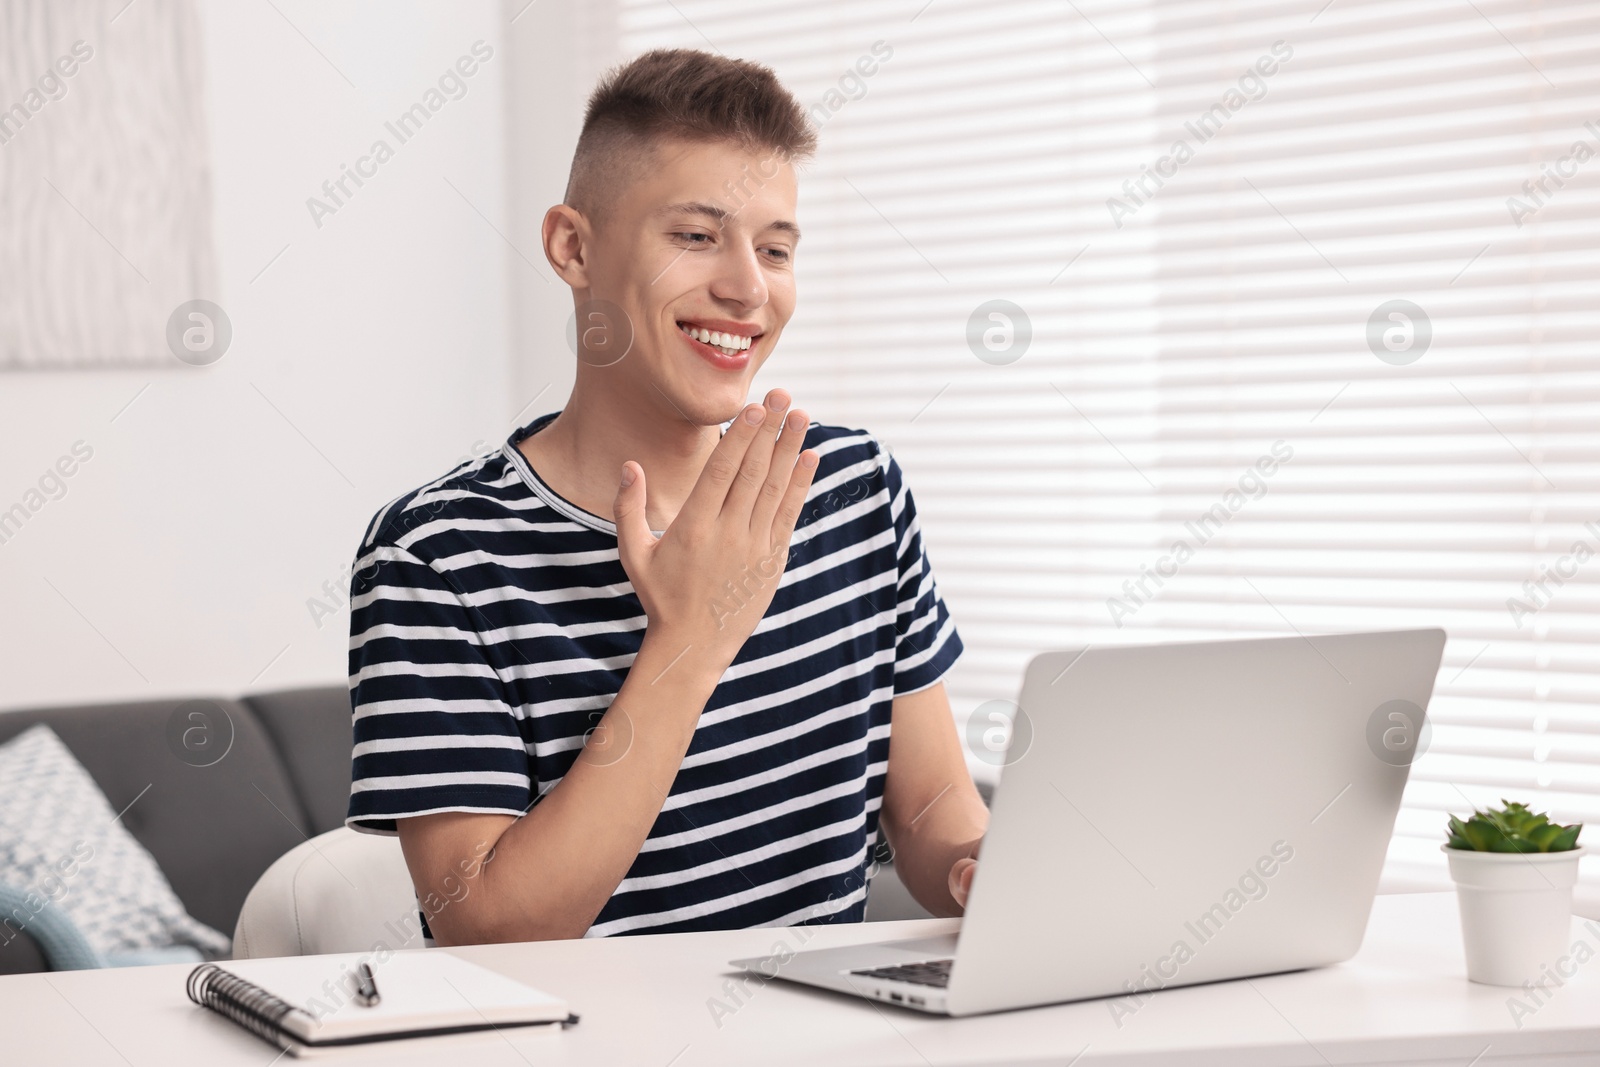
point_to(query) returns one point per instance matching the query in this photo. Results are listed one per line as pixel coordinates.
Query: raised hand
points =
(711, 576)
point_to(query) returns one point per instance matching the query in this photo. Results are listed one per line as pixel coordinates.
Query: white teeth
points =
(729, 343)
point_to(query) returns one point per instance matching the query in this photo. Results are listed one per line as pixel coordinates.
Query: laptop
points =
(1168, 815)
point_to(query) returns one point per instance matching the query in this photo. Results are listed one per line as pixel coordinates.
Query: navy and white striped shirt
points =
(492, 624)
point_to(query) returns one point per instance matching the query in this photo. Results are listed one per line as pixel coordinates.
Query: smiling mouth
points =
(729, 344)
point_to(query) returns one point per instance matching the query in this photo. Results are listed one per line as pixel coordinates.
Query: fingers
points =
(743, 495)
(794, 499)
(960, 881)
(780, 470)
(709, 492)
(628, 508)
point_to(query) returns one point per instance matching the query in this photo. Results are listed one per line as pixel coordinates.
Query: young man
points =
(668, 660)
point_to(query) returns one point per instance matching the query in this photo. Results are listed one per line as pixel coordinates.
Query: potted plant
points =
(1514, 871)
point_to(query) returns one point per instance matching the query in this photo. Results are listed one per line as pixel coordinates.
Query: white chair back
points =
(341, 891)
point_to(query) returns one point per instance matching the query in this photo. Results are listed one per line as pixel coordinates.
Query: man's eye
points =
(704, 237)
(778, 255)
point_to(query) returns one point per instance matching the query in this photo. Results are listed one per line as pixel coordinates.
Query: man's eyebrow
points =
(720, 215)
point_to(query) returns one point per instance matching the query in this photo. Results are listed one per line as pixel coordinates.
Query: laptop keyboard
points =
(928, 972)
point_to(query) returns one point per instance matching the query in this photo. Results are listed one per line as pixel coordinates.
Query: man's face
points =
(704, 240)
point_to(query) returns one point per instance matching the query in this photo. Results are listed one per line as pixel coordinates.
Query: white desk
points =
(644, 1000)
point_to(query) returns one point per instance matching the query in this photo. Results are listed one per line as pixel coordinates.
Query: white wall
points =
(366, 359)
(558, 52)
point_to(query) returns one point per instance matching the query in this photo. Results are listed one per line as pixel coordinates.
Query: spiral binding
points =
(244, 1002)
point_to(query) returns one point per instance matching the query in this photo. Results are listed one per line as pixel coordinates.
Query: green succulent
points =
(1512, 828)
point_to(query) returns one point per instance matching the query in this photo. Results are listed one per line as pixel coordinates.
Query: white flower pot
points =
(1516, 911)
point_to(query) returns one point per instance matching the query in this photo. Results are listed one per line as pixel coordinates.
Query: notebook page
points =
(420, 990)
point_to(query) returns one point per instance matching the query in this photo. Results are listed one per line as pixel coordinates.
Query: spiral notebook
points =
(305, 1003)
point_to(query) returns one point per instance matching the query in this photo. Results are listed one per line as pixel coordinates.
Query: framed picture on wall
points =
(105, 181)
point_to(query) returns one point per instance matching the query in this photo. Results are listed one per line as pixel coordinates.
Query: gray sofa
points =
(215, 829)
(212, 829)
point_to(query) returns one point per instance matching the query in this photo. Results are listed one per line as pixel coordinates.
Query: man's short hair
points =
(684, 94)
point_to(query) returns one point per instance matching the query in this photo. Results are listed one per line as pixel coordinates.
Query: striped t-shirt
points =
(492, 624)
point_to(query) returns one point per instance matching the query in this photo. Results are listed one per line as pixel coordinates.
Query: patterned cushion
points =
(60, 838)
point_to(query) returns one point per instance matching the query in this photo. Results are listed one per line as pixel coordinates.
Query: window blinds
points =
(1309, 288)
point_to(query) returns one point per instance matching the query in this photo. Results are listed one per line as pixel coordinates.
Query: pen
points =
(367, 987)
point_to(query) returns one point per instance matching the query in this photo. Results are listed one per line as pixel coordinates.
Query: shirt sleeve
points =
(433, 730)
(926, 642)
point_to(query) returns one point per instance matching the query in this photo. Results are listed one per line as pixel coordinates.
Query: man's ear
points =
(567, 238)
